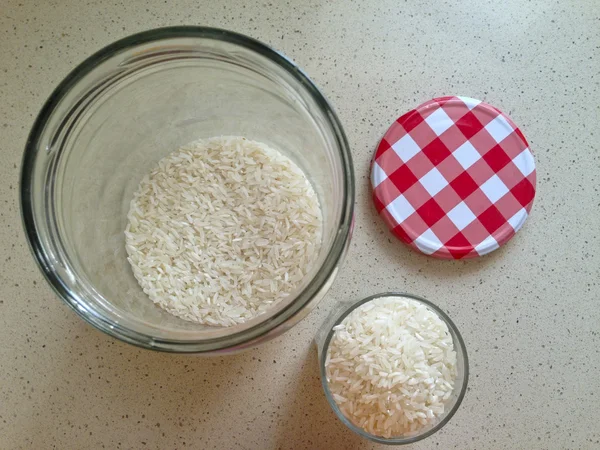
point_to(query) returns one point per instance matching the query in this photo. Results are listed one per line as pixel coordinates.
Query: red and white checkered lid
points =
(454, 178)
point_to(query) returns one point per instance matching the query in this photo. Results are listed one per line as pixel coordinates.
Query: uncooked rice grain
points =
(391, 367)
(223, 229)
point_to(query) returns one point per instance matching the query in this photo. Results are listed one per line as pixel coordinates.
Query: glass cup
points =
(326, 332)
(132, 103)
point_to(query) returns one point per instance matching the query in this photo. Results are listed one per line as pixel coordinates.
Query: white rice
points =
(391, 366)
(222, 229)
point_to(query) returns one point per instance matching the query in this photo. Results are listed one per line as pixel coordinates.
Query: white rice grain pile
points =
(391, 367)
(222, 229)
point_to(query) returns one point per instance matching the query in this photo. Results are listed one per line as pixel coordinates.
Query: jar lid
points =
(454, 178)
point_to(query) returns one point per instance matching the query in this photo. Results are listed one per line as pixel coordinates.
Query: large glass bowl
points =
(326, 333)
(132, 103)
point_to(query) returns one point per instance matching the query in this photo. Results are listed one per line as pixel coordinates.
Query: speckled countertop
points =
(529, 312)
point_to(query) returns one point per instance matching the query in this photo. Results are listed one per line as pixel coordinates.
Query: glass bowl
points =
(132, 103)
(326, 332)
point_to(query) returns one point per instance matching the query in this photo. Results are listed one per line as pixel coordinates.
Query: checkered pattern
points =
(454, 178)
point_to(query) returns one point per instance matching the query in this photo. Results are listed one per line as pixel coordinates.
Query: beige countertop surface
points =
(529, 312)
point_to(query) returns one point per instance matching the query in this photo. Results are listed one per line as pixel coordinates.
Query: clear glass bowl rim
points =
(360, 431)
(263, 331)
